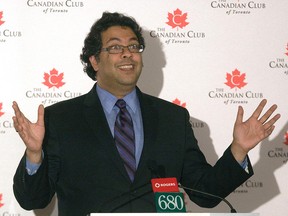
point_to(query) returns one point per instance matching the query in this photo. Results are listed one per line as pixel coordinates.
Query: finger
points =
(240, 114)
(18, 114)
(15, 123)
(15, 107)
(16, 117)
(269, 112)
(40, 120)
(269, 131)
(259, 109)
(271, 122)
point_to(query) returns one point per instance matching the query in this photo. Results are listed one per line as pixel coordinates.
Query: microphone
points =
(155, 171)
(124, 195)
(232, 210)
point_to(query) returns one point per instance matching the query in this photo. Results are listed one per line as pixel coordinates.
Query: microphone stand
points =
(232, 210)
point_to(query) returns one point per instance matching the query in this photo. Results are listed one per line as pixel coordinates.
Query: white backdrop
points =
(209, 56)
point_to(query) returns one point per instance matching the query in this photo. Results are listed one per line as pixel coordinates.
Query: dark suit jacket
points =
(82, 165)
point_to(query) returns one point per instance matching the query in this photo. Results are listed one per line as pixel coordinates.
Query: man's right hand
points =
(32, 134)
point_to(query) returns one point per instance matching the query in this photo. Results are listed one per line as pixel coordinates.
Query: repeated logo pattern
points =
(1, 16)
(53, 79)
(178, 102)
(1, 204)
(236, 79)
(286, 138)
(177, 19)
(1, 113)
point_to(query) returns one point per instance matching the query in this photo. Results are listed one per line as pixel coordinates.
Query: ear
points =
(93, 62)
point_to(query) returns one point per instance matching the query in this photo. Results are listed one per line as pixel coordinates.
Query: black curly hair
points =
(93, 41)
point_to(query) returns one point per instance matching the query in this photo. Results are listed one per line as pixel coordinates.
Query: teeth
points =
(126, 67)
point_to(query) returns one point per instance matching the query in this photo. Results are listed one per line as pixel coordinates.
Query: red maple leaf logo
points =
(235, 79)
(53, 79)
(178, 102)
(286, 138)
(1, 16)
(1, 204)
(177, 19)
(1, 113)
(287, 50)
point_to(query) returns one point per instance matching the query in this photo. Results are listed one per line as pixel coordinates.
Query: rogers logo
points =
(235, 79)
(53, 79)
(165, 185)
(1, 16)
(1, 113)
(158, 185)
(177, 19)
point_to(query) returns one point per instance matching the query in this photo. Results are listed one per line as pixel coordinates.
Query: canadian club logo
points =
(286, 138)
(1, 17)
(1, 113)
(177, 31)
(55, 6)
(235, 79)
(53, 79)
(1, 204)
(237, 7)
(280, 63)
(7, 33)
(195, 123)
(177, 19)
(53, 91)
(178, 102)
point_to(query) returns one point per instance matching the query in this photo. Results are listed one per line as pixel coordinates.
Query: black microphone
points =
(152, 166)
(232, 210)
(155, 170)
(123, 196)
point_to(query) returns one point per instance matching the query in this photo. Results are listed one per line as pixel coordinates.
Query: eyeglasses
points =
(116, 49)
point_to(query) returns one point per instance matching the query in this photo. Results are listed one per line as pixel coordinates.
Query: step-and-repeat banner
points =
(209, 56)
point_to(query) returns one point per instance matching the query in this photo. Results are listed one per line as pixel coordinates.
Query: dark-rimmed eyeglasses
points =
(116, 49)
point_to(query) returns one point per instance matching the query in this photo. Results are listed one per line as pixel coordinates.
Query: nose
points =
(126, 53)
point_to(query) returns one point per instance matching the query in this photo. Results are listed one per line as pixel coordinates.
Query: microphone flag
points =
(167, 196)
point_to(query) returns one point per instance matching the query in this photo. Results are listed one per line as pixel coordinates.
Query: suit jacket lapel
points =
(95, 117)
(150, 122)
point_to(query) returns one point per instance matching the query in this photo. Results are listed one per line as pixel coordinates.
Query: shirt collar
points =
(108, 100)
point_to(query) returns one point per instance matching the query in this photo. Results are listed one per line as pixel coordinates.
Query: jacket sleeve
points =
(32, 191)
(220, 180)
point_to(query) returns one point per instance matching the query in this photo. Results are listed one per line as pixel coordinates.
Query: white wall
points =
(252, 37)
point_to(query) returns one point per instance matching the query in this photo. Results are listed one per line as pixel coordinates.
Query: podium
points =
(175, 214)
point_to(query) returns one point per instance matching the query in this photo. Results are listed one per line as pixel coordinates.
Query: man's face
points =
(118, 73)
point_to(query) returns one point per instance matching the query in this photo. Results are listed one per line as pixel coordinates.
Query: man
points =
(74, 149)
